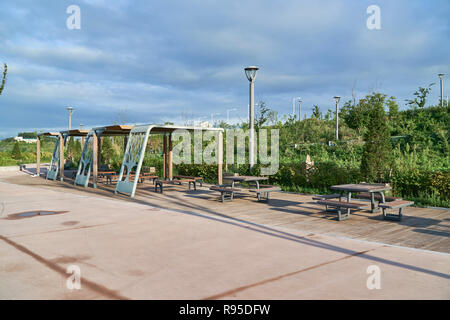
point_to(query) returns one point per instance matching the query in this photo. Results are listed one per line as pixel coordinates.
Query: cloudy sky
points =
(178, 60)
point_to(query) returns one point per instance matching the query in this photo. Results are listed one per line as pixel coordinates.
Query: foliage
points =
(5, 71)
(376, 158)
(15, 153)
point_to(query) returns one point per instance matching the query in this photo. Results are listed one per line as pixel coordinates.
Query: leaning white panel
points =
(85, 165)
(133, 158)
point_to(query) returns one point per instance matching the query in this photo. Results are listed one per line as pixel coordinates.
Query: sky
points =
(178, 61)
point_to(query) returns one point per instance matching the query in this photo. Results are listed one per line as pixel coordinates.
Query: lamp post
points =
(336, 99)
(228, 114)
(293, 105)
(299, 109)
(250, 72)
(70, 109)
(212, 117)
(441, 77)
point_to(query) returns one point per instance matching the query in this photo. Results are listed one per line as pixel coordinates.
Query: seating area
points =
(372, 192)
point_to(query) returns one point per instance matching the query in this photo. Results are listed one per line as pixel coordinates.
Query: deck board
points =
(422, 228)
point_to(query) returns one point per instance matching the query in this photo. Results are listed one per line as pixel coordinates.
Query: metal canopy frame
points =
(91, 155)
(135, 152)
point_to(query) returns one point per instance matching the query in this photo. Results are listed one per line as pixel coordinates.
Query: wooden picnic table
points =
(372, 189)
(254, 179)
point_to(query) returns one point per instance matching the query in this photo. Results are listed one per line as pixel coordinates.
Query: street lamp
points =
(336, 99)
(300, 109)
(70, 109)
(250, 72)
(228, 114)
(293, 105)
(441, 76)
(212, 117)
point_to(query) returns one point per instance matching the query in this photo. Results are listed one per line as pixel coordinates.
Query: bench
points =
(197, 179)
(398, 204)
(328, 196)
(263, 192)
(160, 183)
(377, 196)
(342, 204)
(226, 191)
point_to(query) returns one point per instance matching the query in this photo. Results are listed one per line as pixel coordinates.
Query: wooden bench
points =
(342, 204)
(328, 196)
(400, 204)
(160, 183)
(226, 191)
(264, 190)
(197, 179)
(377, 196)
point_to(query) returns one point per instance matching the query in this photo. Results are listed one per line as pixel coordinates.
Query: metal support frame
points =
(85, 165)
(57, 159)
(133, 158)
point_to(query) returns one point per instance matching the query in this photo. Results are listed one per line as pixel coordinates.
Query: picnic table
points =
(371, 188)
(227, 191)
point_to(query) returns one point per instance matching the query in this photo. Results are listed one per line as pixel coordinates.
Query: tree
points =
(316, 114)
(421, 97)
(2, 86)
(356, 116)
(15, 153)
(377, 151)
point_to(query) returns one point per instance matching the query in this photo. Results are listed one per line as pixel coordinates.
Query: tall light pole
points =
(441, 76)
(70, 116)
(228, 114)
(212, 117)
(336, 99)
(299, 109)
(250, 72)
(293, 105)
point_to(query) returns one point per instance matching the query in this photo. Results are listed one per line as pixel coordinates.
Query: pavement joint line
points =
(263, 282)
(98, 288)
(59, 230)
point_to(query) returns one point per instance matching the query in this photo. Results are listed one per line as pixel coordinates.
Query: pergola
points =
(91, 156)
(135, 152)
(57, 162)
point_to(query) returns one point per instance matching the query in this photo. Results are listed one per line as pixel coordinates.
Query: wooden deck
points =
(421, 228)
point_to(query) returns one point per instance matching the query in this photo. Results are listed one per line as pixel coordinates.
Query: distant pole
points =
(70, 109)
(250, 73)
(336, 99)
(293, 105)
(441, 77)
(299, 109)
(228, 114)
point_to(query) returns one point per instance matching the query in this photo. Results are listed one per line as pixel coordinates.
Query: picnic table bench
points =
(226, 191)
(197, 179)
(160, 183)
(263, 192)
(398, 204)
(342, 204)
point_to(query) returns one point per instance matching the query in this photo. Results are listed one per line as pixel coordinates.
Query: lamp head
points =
(336, 99)
(441, 75)
(250, 72)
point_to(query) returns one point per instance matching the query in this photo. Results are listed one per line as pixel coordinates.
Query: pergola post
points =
(125, 141)
(61, 157)
(99, 149)
(219, 157)
(38, 156)
(94, 159)
(164, 155)
(170, 158)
